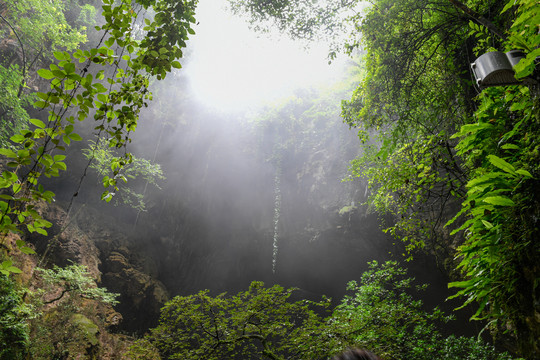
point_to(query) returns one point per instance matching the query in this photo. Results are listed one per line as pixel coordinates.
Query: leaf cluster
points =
(103, 161)
(258, 323)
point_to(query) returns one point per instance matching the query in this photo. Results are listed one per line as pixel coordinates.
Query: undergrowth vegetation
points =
(379, 312)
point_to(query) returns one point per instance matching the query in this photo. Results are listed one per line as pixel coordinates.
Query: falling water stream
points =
(277, 213)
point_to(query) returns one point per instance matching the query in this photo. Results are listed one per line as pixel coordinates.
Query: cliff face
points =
(214, 224)
(91, 239)
(240, 203)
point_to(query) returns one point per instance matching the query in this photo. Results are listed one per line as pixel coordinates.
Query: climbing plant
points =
(109, 81)
(500, 255)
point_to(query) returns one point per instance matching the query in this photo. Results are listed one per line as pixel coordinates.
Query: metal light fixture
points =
(496, 68)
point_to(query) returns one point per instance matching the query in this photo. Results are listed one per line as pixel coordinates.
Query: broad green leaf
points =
(59, 55)
(41, 231)
(526, 66)
(75, 137)
(46, 74)
(100, 88)
(17, 138)
(491, 177)
(524, 173)
(7, 152)
(36, 122)
(499, 200)
(40, 104)
(69, 67)
(14, 269)
(60, 74)
(26, 250)
(501, 164)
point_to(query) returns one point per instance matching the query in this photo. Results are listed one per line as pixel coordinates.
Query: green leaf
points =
(69, 68)
(526, 66)
(46, 74)
(36, 122)
(499, 200)
(75, 137)
(175, 64)
(501, 164)
(487, 224)
(107, 196)
(60, 74)
(14, 269)
(26, 250)
(100, 88)
(524, 173)
(510, 147)
(40, 104)
(7, 152)
(60, 165)
(41, 231)
(59, 55)
(18, 138)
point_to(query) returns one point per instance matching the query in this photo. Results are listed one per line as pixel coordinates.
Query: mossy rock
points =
(347, 209)
(88, 328)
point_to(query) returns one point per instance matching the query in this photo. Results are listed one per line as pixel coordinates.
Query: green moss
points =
(347, 209)
(88, 329)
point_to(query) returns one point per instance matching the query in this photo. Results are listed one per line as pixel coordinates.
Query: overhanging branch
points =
(478, 18)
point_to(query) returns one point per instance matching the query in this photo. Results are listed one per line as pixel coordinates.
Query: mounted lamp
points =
(496, 68)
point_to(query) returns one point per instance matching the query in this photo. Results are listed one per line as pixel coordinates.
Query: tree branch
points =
(478, 18)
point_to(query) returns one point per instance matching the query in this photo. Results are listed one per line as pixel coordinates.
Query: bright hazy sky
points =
(231, 67)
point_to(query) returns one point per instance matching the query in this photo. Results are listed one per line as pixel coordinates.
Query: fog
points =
(247, 119)
(231, 67)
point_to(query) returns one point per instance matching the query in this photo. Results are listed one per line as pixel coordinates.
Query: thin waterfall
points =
(277, 213)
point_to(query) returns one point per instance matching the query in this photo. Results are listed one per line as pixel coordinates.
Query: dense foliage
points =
(258, 323)
(57, 320)
(501, 152)
(107, 80)
(101, 157)
(432, 147)
(379, 313)
(64, 321)
(13, 326)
